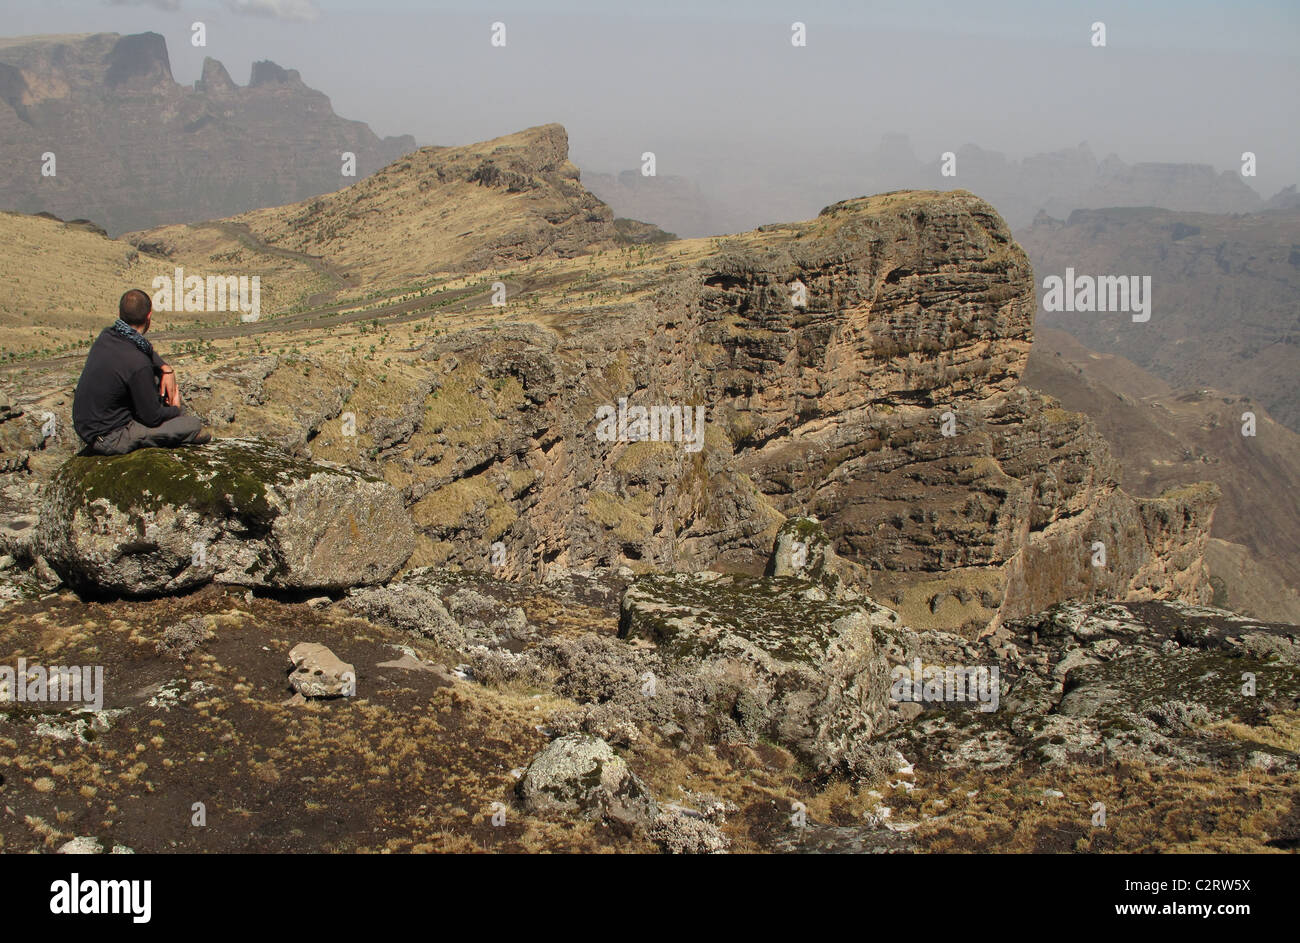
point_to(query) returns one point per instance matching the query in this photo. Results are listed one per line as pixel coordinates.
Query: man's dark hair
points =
(134, 307)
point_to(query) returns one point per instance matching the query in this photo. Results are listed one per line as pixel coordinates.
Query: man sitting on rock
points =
(127, 397)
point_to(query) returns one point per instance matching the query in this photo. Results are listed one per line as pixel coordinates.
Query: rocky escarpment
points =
(887, 405)
(212, 150)
(862, 367)
(161, 521)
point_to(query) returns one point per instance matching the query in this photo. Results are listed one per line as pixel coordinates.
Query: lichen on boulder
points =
(806, 671)
(237, 511)
(803, 550)
(580, 774)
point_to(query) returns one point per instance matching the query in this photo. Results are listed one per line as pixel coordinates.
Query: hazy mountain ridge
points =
(1056, 182)
(135, 149)
(1163, 437)
(1224, 288)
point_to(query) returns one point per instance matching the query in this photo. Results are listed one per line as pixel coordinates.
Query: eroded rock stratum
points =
(886, 404)
(862, 367)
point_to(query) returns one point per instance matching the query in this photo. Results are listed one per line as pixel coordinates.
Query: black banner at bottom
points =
(140, 892)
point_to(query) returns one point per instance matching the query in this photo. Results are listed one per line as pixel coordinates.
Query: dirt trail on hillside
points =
(456, 301)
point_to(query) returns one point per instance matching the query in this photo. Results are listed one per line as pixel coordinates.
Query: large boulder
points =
(581, 775)
(805, 671)
(236, 511)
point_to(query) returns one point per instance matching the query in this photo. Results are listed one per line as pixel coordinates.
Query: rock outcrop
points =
(745, 660)
(886, 404)
(1154, 682)
(236, 511)
(862, 367)
(803, 671)
(802, 550)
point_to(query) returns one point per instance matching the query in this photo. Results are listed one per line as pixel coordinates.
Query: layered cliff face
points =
(886, 403)
(862, 367)
(135, 149)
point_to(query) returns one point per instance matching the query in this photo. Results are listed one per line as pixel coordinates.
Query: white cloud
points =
(294, 11)
(160, 4)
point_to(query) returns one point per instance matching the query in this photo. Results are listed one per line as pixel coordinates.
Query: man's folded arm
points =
(144, 399)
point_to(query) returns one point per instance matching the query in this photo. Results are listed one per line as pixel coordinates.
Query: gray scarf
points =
(134, 336)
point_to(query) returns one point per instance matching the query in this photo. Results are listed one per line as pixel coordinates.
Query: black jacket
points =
(118, 383)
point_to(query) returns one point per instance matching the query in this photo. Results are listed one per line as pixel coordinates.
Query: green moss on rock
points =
(781, 616)
(226, 478)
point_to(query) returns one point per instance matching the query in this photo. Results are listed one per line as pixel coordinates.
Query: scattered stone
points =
(81, 845)
(318, 672)
(167, 695)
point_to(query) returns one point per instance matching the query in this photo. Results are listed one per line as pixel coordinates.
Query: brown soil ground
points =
(417, 760)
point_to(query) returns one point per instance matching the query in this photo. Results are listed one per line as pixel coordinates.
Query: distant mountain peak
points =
(214, 148)
(139, 57)
(267, 72)
(215, 78)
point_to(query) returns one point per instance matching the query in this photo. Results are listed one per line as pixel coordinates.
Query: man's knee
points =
(187, 426)
(178, 430)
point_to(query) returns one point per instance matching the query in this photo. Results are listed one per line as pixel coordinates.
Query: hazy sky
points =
(712, 87)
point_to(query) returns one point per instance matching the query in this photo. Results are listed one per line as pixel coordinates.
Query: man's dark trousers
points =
(175, 431)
